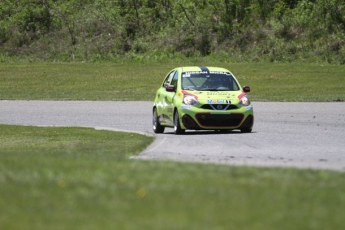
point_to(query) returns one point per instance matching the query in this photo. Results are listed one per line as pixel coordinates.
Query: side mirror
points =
(170, 88)
(246, 89)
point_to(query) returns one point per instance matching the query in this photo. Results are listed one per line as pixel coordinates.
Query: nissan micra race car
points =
(202, 98)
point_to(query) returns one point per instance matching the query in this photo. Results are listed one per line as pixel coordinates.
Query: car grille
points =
(219, 120)
(219, 107)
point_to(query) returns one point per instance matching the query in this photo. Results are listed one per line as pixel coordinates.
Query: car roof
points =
(201, 68)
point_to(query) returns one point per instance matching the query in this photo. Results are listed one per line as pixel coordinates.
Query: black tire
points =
(156, 126)
(177, 126)
(246, 130)
(222, 130)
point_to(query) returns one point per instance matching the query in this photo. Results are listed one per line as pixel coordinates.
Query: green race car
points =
(202, 98)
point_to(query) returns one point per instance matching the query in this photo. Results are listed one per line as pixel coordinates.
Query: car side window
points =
(168, 79)
(174, 80)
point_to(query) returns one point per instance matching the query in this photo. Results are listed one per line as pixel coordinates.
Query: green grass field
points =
(79, 178)
(132, 81)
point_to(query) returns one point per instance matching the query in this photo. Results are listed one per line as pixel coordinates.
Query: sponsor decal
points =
(219, 93)
(218, 72)
(186, 106)
(218, 101)
(188, 74)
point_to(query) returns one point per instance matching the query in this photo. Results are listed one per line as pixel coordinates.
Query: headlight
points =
(190, 100)
(245, 100)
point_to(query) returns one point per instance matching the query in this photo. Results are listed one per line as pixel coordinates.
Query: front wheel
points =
(177, 126)
(246, 130)
(156, 126)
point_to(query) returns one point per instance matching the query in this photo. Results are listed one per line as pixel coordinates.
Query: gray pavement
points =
(299, 135)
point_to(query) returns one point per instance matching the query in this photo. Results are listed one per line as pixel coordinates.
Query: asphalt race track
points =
(299, 135)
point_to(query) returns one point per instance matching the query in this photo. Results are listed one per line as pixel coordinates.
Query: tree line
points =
(273, 30)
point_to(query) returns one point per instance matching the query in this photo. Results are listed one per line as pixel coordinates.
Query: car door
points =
(165, 100)
(169, 98)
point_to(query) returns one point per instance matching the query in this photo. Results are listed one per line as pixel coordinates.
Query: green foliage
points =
(274, 30)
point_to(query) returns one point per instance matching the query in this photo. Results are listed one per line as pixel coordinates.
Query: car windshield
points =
(210, 81)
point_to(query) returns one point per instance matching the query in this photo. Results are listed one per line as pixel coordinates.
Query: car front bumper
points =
(197, 118)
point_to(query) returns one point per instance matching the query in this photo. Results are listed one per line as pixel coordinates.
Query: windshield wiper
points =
(189, 89)
(209, 89)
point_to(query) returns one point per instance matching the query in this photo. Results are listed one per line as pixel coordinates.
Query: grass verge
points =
(139, 81)
(79, 178)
